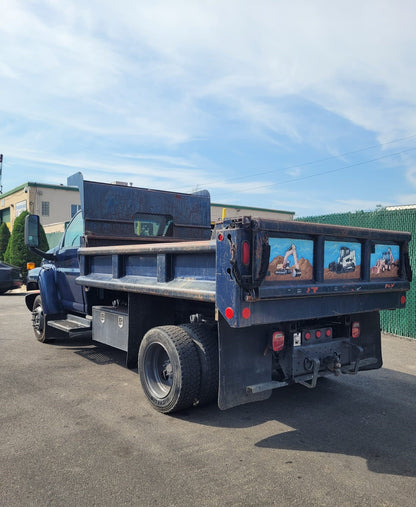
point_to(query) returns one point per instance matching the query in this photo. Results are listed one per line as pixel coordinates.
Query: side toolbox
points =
(110, 326)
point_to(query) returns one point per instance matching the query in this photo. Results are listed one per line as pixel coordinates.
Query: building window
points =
(45, 208)
(74, 209)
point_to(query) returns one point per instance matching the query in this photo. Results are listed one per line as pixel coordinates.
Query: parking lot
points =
(76, 429)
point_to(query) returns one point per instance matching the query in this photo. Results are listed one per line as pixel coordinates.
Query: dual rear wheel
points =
(178, 366)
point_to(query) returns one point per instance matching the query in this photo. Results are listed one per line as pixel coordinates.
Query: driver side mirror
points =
(32, 231)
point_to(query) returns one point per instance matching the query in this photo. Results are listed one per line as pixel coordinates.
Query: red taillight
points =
(318, 334)
(246, 253)
(229, 313)
(220, 237)
(246, 313)
(328, 333)
(403, 300)
(278, 341)
(355, 331)
(307, 335)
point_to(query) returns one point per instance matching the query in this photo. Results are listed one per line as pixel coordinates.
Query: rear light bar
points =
(316, 334)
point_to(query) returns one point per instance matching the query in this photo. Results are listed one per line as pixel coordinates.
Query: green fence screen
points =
(400, 322)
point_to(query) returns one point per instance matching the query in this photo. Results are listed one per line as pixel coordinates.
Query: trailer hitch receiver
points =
(333, 363)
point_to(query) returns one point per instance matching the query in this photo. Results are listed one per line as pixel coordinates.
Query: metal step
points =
(72, 324)
(264, 386)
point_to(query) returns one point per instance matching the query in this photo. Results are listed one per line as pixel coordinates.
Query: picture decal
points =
(385, 261)
(290, 259)
(342, 260)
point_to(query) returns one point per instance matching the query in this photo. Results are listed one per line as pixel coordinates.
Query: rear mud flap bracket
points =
(357, 352)
(311, 383)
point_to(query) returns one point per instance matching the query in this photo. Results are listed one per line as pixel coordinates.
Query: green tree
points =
(17, 253)
(4, 239)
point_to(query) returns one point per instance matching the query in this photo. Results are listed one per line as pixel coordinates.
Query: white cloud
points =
(411, 176)
(334, 54)
(406, 199)
(89, 81)
(237, 53)
(142, 174)
(294, 172)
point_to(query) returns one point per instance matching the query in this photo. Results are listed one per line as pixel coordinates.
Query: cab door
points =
(67, 266)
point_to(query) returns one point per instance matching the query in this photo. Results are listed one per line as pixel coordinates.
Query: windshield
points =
(152, 225)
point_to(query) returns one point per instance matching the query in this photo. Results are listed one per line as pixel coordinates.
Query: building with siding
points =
(235, 211)
(55, 204)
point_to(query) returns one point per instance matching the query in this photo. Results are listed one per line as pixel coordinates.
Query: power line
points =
(356, 164)
(313, 162)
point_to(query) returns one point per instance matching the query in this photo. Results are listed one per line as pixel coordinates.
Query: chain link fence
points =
(400, 322)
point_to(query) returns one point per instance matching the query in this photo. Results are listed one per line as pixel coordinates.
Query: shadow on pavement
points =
(371, 415)
(84, 346)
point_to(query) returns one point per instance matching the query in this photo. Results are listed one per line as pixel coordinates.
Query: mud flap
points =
(370, 341)
(244, 360)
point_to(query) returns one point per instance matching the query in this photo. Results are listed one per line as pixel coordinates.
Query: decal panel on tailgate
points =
(290, 260)
(385, 261)
(342, 260)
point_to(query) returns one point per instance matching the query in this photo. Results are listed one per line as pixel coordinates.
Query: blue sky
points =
(301, 106)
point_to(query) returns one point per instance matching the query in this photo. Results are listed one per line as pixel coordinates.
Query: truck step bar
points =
(72, 325)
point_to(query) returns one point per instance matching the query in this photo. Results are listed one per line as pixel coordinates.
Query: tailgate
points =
(315, 259)
(300, 270)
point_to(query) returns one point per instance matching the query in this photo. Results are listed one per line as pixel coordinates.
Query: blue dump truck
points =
(226, 312)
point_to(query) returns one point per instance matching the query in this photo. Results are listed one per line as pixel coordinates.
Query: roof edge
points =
(39, 185)
(252, 208)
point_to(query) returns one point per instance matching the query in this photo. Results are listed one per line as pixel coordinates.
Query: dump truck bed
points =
(305, 285)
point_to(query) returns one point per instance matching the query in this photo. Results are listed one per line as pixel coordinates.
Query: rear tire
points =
(169, 369)
(206, 343)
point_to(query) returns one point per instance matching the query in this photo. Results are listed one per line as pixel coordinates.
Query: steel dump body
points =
(199, 270)
(249, 300)
(235, 312)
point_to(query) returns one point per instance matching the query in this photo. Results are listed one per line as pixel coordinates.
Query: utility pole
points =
(1, 170)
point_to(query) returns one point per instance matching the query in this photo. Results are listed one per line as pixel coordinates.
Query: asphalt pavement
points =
(76, 429)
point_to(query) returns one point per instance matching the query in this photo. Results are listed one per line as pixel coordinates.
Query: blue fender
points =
(51, 302)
